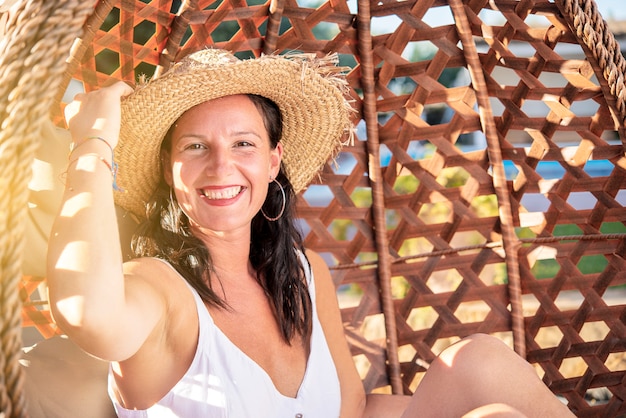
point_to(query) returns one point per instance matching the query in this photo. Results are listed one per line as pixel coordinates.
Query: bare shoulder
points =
(155, 278)
(154, 288)
(314, 258)
(144, 267)
(319, 268)
(154, 273)
(325, 291)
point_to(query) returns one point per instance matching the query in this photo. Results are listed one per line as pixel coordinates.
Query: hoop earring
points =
(282, 209)
(175, 211)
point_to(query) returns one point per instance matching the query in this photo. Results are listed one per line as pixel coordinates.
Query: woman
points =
(223, 313)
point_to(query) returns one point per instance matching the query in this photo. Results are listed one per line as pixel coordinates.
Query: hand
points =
(97, 113)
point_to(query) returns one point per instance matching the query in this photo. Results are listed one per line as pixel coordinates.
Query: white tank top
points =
(222, 381)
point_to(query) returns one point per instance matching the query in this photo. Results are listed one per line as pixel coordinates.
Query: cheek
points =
(178, 175)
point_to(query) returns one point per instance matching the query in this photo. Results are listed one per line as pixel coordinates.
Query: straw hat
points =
(309, 92)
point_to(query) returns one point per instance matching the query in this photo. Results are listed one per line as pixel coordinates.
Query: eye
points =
(244, 144)
(195, 146)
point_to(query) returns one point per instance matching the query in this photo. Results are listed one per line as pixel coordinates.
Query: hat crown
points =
(207, 59)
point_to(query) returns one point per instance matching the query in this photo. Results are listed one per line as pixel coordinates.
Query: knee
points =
(495, 410)
(476, 344)
(480, 352)
(487, 343)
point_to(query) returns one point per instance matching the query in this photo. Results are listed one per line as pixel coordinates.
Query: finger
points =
(121, 88)
(71, 110)
(79, 97)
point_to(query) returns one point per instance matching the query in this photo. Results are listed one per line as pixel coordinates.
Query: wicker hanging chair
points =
(418, 226)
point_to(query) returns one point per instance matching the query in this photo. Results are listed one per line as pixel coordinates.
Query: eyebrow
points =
(190, 136)
(236, 133)
(240, 133)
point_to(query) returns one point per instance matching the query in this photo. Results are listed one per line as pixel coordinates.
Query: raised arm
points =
(89, 298)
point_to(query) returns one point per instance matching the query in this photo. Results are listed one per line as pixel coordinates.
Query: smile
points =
(227, 193)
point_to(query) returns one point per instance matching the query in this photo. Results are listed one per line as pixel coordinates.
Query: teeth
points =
(222, 194)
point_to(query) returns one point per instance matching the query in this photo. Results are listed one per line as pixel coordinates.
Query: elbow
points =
(75, 321)
(77, 314)
(68, 313)
(69, 305)
(93, 332)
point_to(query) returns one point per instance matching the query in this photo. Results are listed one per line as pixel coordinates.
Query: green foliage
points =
(525, 232)
(589, 264)
(485, 206)
(500, 275)
(613, 228)
(362, 197)
(568, 229)
(453, 177)
(545, 269)
(399, 287)
(341, 229)
(406, 184)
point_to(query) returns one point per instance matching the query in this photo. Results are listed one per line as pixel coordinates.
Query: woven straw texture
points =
(442, 220)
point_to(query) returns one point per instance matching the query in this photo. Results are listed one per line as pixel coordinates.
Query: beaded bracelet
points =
(112, 167)
(74, 146)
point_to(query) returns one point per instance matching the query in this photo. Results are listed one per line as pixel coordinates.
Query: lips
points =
(222, 193)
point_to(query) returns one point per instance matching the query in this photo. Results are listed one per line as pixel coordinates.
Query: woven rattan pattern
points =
(418, 225)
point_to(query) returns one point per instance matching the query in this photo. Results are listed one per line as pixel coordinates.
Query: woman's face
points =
(221, 163)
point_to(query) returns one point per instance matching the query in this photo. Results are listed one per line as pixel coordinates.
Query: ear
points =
(167, 168)
(276, 156)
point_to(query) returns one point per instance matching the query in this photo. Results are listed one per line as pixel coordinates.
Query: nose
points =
(218, 163)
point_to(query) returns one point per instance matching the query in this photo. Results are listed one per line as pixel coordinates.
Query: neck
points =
(232, 269)
(230, 251)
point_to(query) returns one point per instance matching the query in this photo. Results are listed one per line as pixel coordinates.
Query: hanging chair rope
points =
(587, 24)
(36, 40)
(509, 238)
(179, 26)
(485, 246)
(273, 26)
(370, 114)
(82, 43)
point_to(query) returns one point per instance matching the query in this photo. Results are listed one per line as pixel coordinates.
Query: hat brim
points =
(316, 116)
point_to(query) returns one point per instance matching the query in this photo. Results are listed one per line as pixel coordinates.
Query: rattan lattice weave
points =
(484, 193)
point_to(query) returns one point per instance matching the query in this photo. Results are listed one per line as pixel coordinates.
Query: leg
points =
(483, 372)
(393, 406)
(495, 410)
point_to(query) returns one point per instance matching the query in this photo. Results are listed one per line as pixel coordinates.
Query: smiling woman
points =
(221, 267)
(222, 295)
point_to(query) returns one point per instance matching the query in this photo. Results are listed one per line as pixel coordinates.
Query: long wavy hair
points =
(166, 234)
